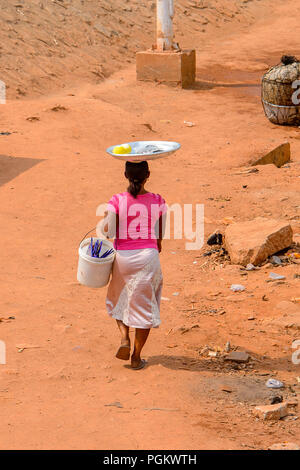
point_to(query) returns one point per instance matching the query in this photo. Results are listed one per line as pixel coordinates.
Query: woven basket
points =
(278, 94)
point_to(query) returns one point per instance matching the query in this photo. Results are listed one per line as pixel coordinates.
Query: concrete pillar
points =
(164, 25)
(166, 62)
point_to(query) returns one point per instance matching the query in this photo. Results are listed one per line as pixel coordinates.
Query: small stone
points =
(247, 171)
(225, 388)
(32, 118)
(285, 446)
(250, 267)
(272, 412)
(273, 383)
(227, 347)
(276, 260)
(238, 356)
(276, 277)
(215, 238)
(213, 353)
(276, 399)
(58, 107)
(237, 288)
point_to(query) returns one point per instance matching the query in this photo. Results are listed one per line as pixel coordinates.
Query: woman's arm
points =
(161, 231)
(110, 224)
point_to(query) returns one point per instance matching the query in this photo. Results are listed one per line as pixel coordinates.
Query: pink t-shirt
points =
(138, 219)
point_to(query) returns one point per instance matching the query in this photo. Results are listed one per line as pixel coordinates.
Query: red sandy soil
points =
(61, 375)
(50, 45)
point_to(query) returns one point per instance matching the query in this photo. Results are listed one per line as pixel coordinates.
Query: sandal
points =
(141, 365)
(123, 352)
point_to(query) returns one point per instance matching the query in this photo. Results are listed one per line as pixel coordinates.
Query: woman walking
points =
(135, 218)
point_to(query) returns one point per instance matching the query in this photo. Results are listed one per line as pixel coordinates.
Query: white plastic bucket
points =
(94, 272)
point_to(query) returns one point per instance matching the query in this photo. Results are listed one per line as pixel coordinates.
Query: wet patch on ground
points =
(248, 390)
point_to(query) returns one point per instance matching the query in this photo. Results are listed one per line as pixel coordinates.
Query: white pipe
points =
(164, 21)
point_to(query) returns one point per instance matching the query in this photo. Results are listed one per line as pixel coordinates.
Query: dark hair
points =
(136, 173)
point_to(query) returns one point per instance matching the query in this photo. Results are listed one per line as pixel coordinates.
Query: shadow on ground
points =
(11, 167)
(193, 364)
(202, 85)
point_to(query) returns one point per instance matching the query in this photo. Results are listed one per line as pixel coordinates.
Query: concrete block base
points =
(172, 68)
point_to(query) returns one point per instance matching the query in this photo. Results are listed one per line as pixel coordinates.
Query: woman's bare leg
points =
(141, 336)
(124, 330)
(124, 350)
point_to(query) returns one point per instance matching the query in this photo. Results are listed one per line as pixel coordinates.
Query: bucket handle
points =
(87, 234)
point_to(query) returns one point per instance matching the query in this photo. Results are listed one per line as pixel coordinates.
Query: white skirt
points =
(134, 291)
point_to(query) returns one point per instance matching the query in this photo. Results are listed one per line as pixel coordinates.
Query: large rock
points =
(278, 156)
(255, 240)
(238, 356)
(271, 412)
